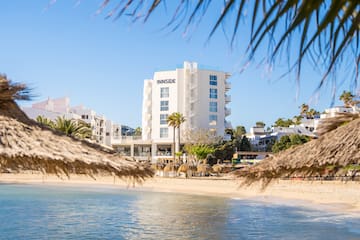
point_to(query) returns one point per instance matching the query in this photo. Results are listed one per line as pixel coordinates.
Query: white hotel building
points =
(199, 94)
(104, 131)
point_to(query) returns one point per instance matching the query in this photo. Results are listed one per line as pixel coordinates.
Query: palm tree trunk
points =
(173, 150)
(178, 143)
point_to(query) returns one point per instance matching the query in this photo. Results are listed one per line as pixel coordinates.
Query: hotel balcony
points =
(228, 125)
(227, 98)
(227, 111)
(227, 86)
(125, 139)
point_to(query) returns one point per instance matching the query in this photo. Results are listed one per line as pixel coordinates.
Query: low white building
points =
(332, 112)
(103, 131)
(97, 122)
(260, 139)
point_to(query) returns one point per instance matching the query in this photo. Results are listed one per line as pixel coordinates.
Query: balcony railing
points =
(228, 124)
(227, 86)
(227, 111)
(124, 139)
(227, 98)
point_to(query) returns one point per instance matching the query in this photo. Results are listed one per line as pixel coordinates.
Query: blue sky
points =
(67, 50)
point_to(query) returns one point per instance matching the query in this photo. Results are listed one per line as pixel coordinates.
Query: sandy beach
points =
(328, 195)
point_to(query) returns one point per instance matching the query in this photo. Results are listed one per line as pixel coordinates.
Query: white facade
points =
(103, 131)
(332, 112)
(198, 94)
(97, 122)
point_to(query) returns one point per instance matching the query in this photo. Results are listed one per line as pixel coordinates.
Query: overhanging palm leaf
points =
(328, 30)
(10, 91)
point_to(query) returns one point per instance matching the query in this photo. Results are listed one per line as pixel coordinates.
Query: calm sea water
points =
(50, 212)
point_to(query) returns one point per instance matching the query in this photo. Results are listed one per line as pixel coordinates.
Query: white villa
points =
(259, 138)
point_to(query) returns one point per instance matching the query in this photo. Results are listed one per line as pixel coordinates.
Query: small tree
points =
(224, 151)
(239, 131)
(260, 124)
(72, 127)
(45, 121)
(312, 113)
(286, 142)
(201, 136)
(297, 119)
(283, 122)
(244, 144)
(348, 98)
(201, 151)
(138, 131)
(304, 108)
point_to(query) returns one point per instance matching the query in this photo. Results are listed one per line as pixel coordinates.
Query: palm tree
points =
(175, 120)
(71, 127)
(348, 98)
(328, 30)
(304, 108)
(312, 113)
(138, 131)
(239, 131)
(45, 121)
(297, 119)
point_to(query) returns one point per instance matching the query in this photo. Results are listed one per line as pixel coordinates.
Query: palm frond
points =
(334, 38)
(10, 91)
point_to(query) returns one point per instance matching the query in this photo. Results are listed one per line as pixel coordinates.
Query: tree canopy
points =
(286, 142)
(239, 131)
(260, 124)
(347, 98)
(281, 122)
(70, 127)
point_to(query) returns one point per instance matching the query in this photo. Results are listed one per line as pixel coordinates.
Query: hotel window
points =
(212, 119)
(213, 93)
(213, 107)
(213, 80)
(164, 92)
(163, 119)
(164, 105)
(164, 132)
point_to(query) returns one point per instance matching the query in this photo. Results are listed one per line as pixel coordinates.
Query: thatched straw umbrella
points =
(170, 170)
(217, 168)
(26, 145)
(334, 150)
(183, 168)
(170, 167)
(203, 169)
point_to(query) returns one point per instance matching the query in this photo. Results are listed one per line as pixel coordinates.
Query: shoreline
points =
(334, 196)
